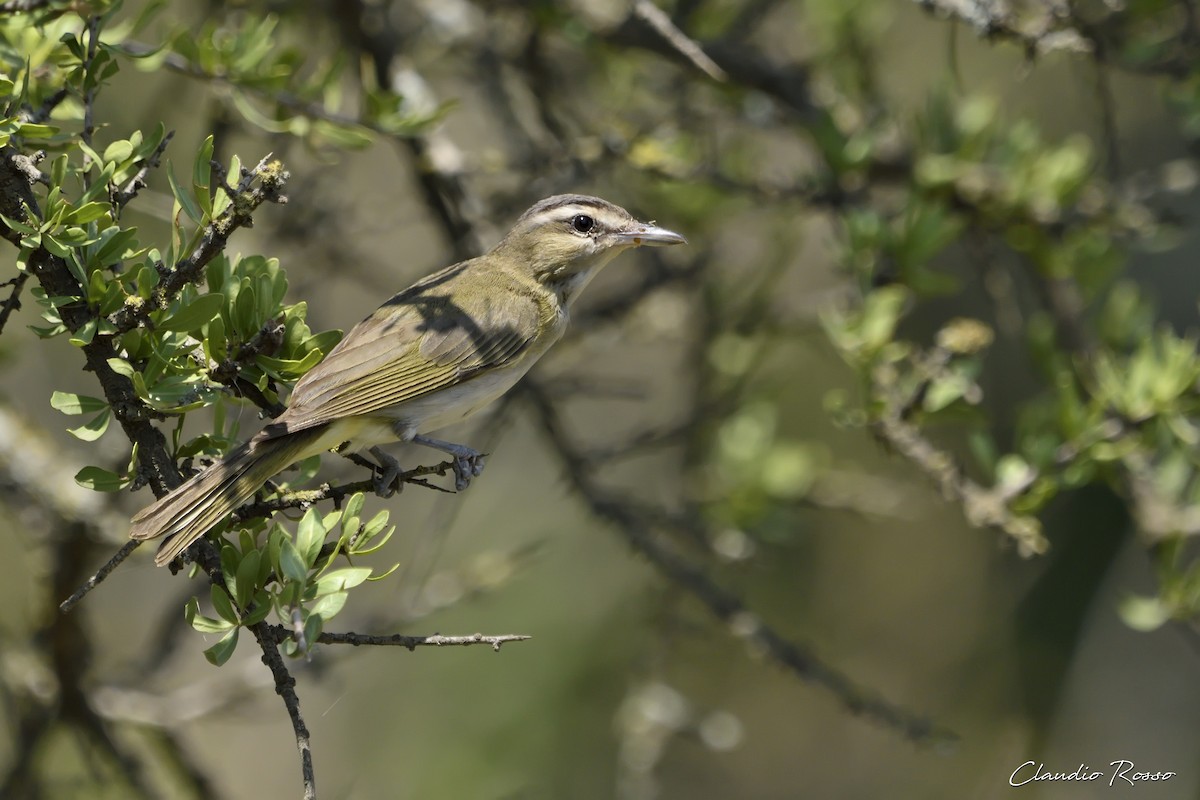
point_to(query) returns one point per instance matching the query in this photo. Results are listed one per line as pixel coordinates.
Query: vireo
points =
(432, 355)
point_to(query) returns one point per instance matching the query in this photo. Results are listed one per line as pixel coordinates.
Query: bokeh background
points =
(699, 395)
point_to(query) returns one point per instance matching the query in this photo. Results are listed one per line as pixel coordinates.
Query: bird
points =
(431, 356)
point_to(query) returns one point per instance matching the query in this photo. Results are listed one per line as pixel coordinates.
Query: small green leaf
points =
(223, 605)
(73, 404)
(329, 605)
(289, 368)
(312, 629)
(342, 579)
(121, 367)
(247, 577)
(196, 314)
(310, 534)
(89, 212)
(118, 151)
(262, 607)
(86, 333)
(220, 652)
(214, 341)
(185, 199)
(33, 130)
(94, 429)
(101, 480)
(229, 565)
(201, 623)
(291, 562)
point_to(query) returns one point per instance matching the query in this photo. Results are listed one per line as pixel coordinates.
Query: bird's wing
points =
(418, 342)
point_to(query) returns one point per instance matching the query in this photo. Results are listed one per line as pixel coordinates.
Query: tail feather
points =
(190, 510)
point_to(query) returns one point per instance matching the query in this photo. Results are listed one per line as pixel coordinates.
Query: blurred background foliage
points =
(884, 486)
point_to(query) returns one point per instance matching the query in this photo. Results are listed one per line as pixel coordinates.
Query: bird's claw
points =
(465, 468)
(385, 484)
(385, 480)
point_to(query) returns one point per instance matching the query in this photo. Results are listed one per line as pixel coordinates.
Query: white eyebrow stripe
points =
(568, 212)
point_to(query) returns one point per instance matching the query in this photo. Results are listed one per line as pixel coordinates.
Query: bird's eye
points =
(582, 223)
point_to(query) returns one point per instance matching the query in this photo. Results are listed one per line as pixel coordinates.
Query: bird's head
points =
(564, 240)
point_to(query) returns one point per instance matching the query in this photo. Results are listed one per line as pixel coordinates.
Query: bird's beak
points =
(640, 233)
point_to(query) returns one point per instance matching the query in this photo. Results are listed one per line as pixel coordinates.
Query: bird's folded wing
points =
(411, 346)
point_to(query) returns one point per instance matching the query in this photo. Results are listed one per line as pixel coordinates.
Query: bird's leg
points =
(468, 463)
(389, 470)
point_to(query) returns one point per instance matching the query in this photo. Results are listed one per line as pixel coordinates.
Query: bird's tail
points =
(191, 509)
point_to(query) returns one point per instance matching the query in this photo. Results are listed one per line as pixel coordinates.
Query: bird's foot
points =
(465, 468)
(467, 463)
(384, 480)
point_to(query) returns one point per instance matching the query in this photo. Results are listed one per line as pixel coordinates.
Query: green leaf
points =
(214, 342)
(94, 429)
(101, 480)
(329, 605)
(201, 623)
(247, 577)
(289, 368)
(196, 314)
(118, 151)
(342, 579)
(89, 212)
(291, 562)
(312, 629)
(262, 607)
(119, 245)
(310, 534)
(178, 393)
(185, 199)
(222, 604)
(220, 652)
(32, 130)
(202, 177)
(244, 308)
(121, 367)
(229, 565)
(73, 404)
(86, 333)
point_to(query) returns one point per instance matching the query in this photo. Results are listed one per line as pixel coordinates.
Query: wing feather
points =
(418, 342)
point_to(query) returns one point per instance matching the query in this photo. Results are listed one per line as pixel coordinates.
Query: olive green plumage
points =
(432, 355)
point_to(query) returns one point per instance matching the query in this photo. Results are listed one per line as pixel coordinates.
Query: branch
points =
(271, 178)
(657, 19)
(282, 634)
(121, 197)
(303, 498)
(285, 687)
(98, 576)
(726, 607)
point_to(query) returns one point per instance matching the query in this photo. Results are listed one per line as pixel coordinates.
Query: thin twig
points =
(271, 178)
(98, 577)
(282, 634)
(656, 18)
(130, 190)
(285, 687)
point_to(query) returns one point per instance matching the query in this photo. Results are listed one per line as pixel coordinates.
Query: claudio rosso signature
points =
(1119, 771)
